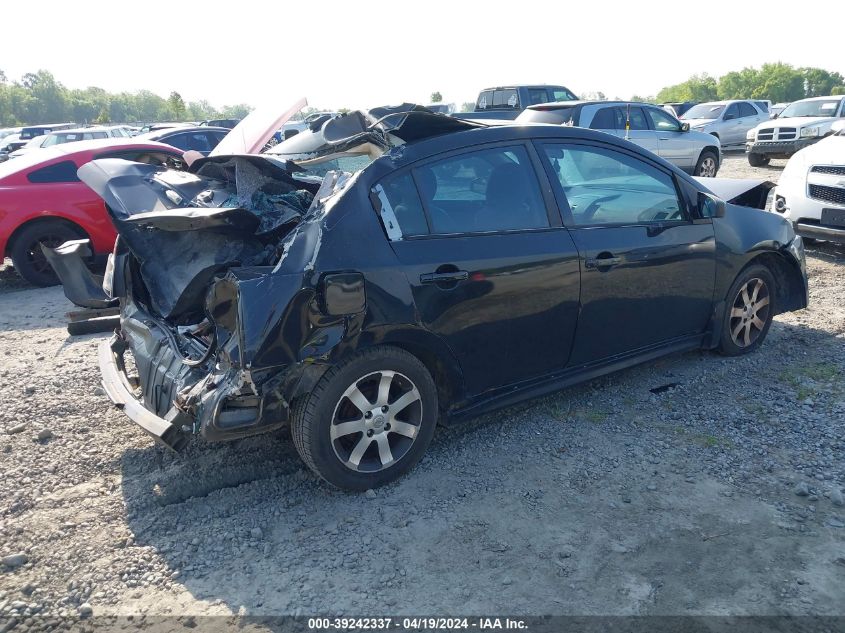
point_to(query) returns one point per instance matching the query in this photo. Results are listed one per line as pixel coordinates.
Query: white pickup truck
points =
(801, 123)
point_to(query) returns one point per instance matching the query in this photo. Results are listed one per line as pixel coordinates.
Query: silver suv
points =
(729, 121)
(649, 126)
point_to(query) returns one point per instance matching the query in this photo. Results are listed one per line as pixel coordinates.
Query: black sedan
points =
(397, 268)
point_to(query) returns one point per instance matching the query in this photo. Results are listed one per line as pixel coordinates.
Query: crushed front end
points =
(206, 305)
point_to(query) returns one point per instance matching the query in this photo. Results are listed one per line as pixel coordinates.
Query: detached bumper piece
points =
(121, 394)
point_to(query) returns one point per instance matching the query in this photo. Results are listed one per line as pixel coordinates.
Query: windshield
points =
(811, 108)
(704, 111)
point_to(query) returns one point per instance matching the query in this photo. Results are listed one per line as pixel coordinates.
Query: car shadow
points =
(246, 526)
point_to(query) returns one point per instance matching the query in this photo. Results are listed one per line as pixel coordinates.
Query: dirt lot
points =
(721, 495)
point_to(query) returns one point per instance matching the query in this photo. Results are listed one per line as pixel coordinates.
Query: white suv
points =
(811, 189)
(801, 123)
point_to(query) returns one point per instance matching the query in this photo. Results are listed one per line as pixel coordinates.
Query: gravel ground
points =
(720, 495)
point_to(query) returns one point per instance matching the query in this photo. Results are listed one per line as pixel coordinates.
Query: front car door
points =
(647, 267)
(730, 132)
(749, 117)
(492, 269)
(672, 144)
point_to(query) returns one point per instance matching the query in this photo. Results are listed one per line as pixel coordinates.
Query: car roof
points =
(554, 105)
(69, 151)
(181, 130)
(529, 86)
(93, 128)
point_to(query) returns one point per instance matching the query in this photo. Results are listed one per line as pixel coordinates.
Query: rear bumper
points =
(778, 148)
(117, 388)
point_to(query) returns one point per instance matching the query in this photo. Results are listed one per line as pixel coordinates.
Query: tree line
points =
(39, 98)
(777, 82)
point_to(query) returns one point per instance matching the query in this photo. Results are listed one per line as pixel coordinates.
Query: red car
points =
(42, 200)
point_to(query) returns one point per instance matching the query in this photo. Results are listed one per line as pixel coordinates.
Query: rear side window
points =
(483, 191)
(603, 186)
(505, 100)
(64, 171)
(402, 195)
(764, 107)
(605, 119)
(485, 100)
(746, 109)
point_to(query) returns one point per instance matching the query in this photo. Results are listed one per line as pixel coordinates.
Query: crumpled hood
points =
(252, 133)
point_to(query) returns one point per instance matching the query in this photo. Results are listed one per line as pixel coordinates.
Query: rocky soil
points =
(693, 485)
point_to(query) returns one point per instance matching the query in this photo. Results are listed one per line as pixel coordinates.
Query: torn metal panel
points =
(79, 284)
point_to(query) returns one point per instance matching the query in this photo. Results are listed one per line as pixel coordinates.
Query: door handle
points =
(604, 260)
(439, 278)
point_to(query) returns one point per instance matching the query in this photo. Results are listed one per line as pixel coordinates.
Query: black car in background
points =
(396, 268)
(200, 139)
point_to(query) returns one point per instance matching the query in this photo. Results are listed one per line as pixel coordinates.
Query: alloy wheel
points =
(750, 312)
(36, 256)
(376, 421)
(708, 167)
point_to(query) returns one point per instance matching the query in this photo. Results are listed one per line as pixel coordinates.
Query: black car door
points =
(647, 268)
(491, 267)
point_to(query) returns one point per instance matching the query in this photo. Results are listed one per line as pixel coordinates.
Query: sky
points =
(358, 54)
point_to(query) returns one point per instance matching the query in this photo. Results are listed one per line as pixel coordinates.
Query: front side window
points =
(536, 96)
(563, 95)
(732, 112)
(603, 186)
(663, 121)
(487, 190)
(64, 171)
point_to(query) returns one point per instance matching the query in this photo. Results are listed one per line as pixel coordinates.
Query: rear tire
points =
(26, 254)
(749, 309)
(368, 421)
(758, 160)
(707, 165)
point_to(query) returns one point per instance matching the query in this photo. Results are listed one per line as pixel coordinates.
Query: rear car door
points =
(647, 268)
(672, 144)
(492, 269)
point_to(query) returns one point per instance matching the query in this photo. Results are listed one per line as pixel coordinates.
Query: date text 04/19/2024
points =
(417, 624)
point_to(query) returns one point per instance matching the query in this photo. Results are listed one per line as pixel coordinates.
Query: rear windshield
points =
(554, 116)
(704, 111)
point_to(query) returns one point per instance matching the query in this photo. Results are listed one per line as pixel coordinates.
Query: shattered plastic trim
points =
(391, 224)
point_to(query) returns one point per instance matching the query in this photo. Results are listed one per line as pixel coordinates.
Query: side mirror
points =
(479, 186)
(710, 206)
(728, 117)
(684, 126)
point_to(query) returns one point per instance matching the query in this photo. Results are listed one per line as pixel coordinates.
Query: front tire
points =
(368, 421)
(708, 165)
(749, 310)
(758, 160)
(26, 254)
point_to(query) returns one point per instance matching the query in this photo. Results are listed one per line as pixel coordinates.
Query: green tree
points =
(696, 88)
(739, 84)
(2, 77)
(237, 111)
(819, 82)
(436, 97)
(468, 106)
(177, 105)
(838, 90)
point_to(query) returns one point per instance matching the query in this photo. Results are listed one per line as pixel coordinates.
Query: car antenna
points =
(627, 120)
